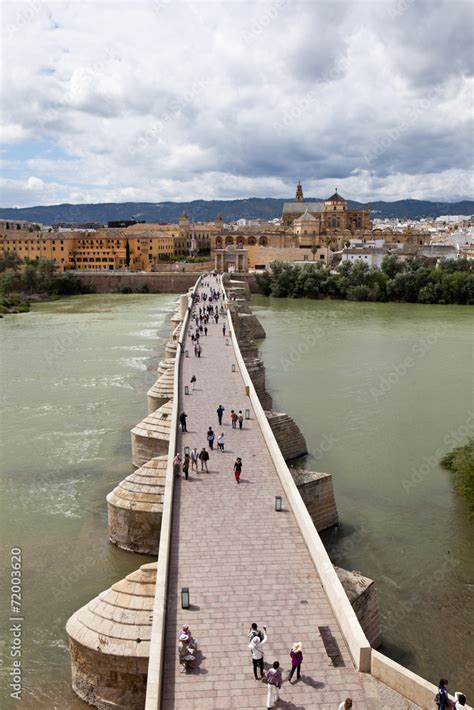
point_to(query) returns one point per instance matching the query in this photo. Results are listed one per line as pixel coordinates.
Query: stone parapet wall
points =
(288, 435)
(112, 282)
(317, 492)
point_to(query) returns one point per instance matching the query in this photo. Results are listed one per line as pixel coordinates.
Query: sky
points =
(171, 100)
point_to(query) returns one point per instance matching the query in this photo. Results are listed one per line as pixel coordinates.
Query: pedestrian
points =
(220, 442)
(255, 631)
(238, 469)
(460, 700)
(233, 419)
(210, 438)
(220, 412)
(274, 684)
(186, 653)
(186, 466)
(296, 655)
(176, 465)
(199, 350)
(204, 458)
(223, 329)
(196, 350)
(194, 458)
(442, 697)
(346, 704)
(240, 419)
(256, 647)
(182, 418)
(205, 329)
(193, 381)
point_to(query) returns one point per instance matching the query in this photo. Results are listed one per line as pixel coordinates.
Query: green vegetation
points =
(413, 281)
(37, 277)
(460, 462)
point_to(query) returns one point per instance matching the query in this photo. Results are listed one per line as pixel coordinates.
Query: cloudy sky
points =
(172, 100)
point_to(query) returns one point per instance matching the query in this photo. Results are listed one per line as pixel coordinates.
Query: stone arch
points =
(263, 241)
(229, 241)
(219, 243)
(251, 241)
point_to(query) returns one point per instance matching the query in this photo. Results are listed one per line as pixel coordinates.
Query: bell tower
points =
(299, 192)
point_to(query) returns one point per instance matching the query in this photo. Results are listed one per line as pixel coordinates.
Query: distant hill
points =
(207, 210)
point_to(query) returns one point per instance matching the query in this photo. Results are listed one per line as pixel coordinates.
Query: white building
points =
(372, 257)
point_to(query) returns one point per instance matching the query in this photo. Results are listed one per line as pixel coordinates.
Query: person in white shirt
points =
(460, 700)
(346, 704)
(256, 646)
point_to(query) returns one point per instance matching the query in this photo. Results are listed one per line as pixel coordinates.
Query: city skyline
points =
(182, 101)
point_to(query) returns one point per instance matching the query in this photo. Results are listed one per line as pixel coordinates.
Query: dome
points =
(151, 436)
(135, 508)
(109, 642)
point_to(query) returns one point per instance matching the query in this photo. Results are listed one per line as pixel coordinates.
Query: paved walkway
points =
(242, 562)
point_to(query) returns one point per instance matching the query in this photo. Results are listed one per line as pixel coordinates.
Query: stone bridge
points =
(241, 559)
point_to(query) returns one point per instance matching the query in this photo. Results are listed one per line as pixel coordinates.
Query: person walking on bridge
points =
(194, 459)
(238, 469)
(274, 680)
(220, 412)
(256, 648)
(204, 458)
(296, 655)
(182, 418)
(210, 438)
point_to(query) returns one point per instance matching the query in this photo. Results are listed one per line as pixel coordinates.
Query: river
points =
(74, 378)
(380, 392)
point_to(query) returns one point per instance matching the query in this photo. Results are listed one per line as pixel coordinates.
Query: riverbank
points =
(414, 281)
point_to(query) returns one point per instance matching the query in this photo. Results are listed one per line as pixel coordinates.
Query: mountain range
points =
(206, 210)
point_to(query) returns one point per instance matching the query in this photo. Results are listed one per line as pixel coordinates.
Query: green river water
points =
(74, 378)
(379, 391)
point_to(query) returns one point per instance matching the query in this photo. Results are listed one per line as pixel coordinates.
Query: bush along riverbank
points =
(23, 279)
(460, 462)
(413, 281)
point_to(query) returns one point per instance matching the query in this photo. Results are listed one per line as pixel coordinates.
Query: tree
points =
(10, 260)
(7, 282)
(391, 265)
(460, 462)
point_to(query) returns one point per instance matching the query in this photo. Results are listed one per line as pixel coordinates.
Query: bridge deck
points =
(242, 562)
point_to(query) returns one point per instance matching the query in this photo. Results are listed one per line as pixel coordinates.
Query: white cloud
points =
(163, 100)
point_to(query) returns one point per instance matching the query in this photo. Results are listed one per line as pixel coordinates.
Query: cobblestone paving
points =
(243, 562)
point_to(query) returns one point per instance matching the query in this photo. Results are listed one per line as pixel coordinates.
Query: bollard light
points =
(247, 413)
(186, 450)
(233, 368)
(278, 504)
(185, 598)
(186, 389)
(186, 353)
(227, 341)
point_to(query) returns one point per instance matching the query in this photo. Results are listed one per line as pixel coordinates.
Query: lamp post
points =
(233, 367)
(278, 504)
(247, 413)
(185, 598)
(186, 389)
